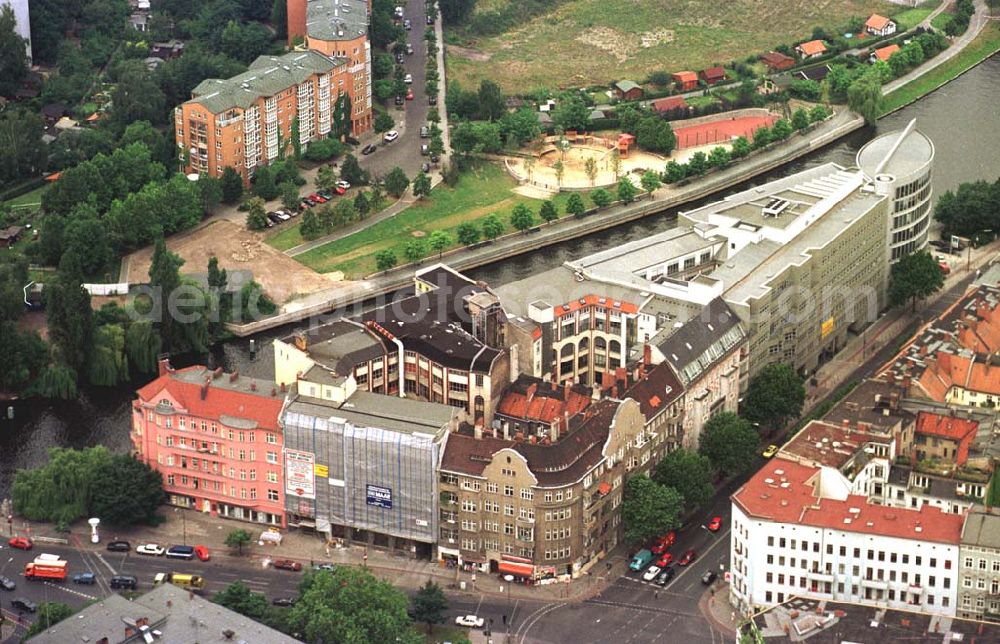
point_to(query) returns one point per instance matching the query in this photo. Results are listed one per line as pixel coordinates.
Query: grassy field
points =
(912, 17)
(584, 42)
(479, 193)
(33, 197)
(443, 633)
(940, 21)
(985, 45)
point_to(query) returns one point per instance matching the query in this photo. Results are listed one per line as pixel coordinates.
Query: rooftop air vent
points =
(775, 207)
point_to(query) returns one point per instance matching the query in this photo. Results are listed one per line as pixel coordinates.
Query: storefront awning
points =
(517, 569)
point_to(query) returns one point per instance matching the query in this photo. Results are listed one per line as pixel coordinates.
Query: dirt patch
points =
(237, 248)
(606, 39)
(654, 38)
(468, 53)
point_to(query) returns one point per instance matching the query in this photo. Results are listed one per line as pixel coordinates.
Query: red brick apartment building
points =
(215, 438)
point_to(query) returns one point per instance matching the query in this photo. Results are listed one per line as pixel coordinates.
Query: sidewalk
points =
(715, 608)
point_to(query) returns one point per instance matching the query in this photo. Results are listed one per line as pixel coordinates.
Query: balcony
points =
(816, 575)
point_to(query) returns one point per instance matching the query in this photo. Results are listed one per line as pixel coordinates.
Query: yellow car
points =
(770, 451)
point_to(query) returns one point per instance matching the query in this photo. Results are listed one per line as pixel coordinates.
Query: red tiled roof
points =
(714, 73)
(784, 491)
(685, 77)
(223, 398)
(777, 59)
(949, 427)
(877, 22)
(949, 370)
(812, 48)
(883, 53)
(540, 401)
(595, 300)
(669, 103)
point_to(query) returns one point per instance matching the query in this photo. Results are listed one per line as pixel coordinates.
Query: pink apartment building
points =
(215, 438)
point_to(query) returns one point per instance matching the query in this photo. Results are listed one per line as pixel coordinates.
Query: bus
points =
(190, 582)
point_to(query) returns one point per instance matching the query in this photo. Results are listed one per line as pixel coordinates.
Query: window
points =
(491, 488)
(527, 494)
(271, 438)
(272, 495)
(272, 477)
(272, 457)
(508, 490)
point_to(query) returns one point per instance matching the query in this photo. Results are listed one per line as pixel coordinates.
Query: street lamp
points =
(510, 618)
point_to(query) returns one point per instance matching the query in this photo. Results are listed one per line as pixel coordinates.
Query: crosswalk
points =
(70, 590)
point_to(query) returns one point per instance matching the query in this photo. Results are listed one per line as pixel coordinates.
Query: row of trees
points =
(970, 210)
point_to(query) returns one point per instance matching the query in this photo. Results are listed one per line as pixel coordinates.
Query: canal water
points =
(962, 119)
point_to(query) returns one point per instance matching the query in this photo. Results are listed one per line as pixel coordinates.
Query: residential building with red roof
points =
(884, 53)
(776, 61)
(215, 438)
(877, 25)
(713, 75)
(685, 81)
(811, 49)
(540, 408)
(669, 104)
(798, 530)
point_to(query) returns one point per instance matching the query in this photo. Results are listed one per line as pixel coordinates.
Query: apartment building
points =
(363, 467)
(339, 29)
(979, 559)
(438, 335)
(531, 406)
(250, 120)
(215, 438)
(548, 508)
(799, 530)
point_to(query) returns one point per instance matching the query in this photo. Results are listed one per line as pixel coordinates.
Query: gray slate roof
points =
(267, 76)
(702, 341)
(336, 19)
(982, 528)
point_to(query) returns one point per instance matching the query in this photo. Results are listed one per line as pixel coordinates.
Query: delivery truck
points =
(48, 567)
(191, 582)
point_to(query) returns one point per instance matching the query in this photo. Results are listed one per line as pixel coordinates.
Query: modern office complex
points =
(898, 165)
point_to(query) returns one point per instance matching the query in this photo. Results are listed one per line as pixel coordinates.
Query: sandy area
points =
(237, 248)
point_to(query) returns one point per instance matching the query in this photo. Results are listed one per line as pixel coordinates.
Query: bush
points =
(324, 150)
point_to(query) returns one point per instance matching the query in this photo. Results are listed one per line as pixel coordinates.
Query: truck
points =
(641, 559)
(182, 580)
(47, 567)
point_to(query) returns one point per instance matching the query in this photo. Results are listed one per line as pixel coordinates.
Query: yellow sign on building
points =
(321, 470)
(827, 328)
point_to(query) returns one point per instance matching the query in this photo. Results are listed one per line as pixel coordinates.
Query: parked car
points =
(664, 542)
(470, 621)
(664, 577)
(346, 185)
(180, 552)
(273, 218)
(284, 214)
(424, 150)
(715, 524)
(86, 578)
(425, 132)
(283, 601)
(425, 167)
(651, 573)
(390, 136)
(119, 546)
(409, 48)
(398, 13)
(310, 200)
(430, 20)
(368, 149)
(665, 560)
(399, 99)
(150, 549)
(407, 25)
(7, 583)
(24, 605)
(432, 99)
(324, 566)
(287, 564)
(22, 543)
(126, 582)
(339, 190)
(326, 194)
(409, 93)
(318, 198)
(688, 557)
(435, 158)
(202, 553)
(770, 451)
(640, 560)
(399, 57)
(708, 577)
(408, 79)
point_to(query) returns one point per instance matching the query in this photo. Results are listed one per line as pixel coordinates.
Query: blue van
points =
(641, 559)
(180, 552)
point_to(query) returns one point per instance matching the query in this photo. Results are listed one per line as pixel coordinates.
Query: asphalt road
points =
(405, 151)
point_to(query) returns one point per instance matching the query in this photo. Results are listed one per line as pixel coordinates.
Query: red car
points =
(339, 190)
(715, 524)
(287, 564)
(688, 557)
(317, 198)
(409, 94)
(202, 553)
(664, 543)
(665, 560)
(24, 543)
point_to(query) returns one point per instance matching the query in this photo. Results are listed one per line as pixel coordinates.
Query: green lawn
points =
(940, 21)
(985, 45)
(484, 190)
(443, 633)
(912, 17)
(702, 101)
(588, 42)
(33, 197)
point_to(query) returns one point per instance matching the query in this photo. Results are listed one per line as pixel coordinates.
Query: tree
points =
(86, 246)
(864, 96)
(698, 163)
(237, 539)
(601, 198)
(108, 365)
(781, 130)
(310, 228)
(279, 18)
(629, 119)
(422, 185)
(326, 179)
(914, 277)
(439, 241)
(649, 509)
(491, 101)
(165, 278)
(396, 182)
(429, 605)
(626, 190)
(674, 172)
(385, 259)
(289, 195)
(415, 249)
(383, 122)
(136, 97)
(70, 319)
(142, 345)
(719, 157)
(521, 218)
(774, 395)
(818, 113)
(729, 442)
(690, 473)
(232, 186)
(650, 182)
(615, 162)
(548, 212)
(574, 205)
(467, 233)
(350, 171)
(56, 380)
(13, 54)
(362, 205)
(209, 193)
(571, 114)
(238, 597)
(349, 604)
(49, 614)
(265, 183)
(973, 208)
(256, 214)
(24, 152)
(520, 126)
(60, 490)
(126, 491)
(590, 169)
(492, 226)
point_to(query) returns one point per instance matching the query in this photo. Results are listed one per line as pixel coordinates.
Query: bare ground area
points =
(237, 248)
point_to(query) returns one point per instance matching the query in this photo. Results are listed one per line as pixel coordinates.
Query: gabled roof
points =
(668, 103)
(627, 86)
(657, 391)
(714, 73)
(534, 400)
(703, 340)
(777, 59)
(950, 427)
(877, 22)
(812, 47)
(685, 77)
(883, 53)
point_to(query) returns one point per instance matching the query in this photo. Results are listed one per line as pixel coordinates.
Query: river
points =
(961, 119)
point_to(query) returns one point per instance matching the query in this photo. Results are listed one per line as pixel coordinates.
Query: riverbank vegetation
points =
(972, 211)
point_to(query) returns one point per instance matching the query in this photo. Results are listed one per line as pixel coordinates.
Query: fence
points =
(106, 289)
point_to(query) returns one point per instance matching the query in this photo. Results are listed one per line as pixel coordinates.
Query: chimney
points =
(284, 387)
(217, 373)
(300, 342)
(532, 388)
(566, 389)
(204, 390)
(647, 355)
(607, 380)
(253, 386)
(234, 376)
(274, 392)
(519, 436)
(554, 429)
(532, 439)
(479, 430)
(847, 423)
(163, 365)
(595, 391)
(506, 430)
